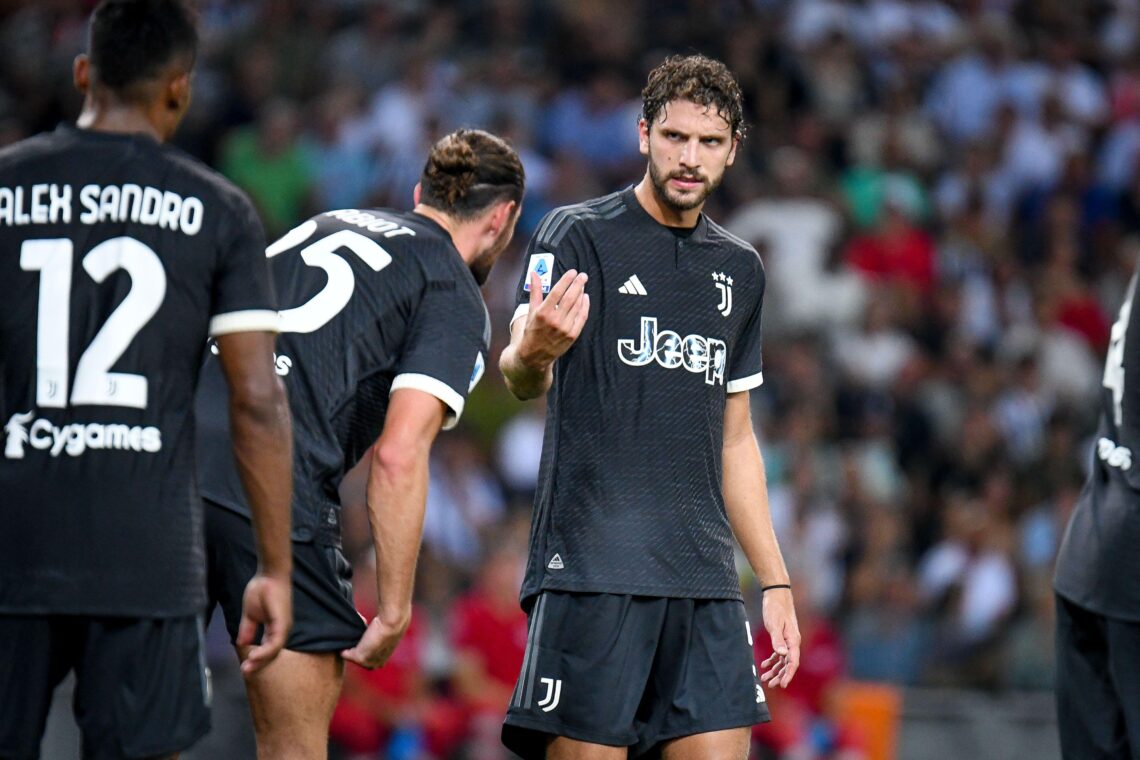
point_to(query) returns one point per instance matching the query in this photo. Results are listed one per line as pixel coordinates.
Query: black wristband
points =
(776, 585)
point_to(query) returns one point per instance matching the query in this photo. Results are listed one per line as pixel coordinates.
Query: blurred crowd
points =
(946, 197)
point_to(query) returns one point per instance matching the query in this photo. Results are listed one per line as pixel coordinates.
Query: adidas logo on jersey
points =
(555, 563)
(633, 287)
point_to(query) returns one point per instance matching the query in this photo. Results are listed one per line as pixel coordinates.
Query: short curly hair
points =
(699, 79)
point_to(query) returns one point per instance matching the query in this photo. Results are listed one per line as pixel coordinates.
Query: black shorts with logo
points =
(324, 617)
(141, 690)
(632, 671)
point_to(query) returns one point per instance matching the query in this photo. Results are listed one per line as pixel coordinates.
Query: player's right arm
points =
(547, 330)
(244, 324)
(262, 443)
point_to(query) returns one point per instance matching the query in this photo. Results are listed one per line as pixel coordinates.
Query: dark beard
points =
(661, 189)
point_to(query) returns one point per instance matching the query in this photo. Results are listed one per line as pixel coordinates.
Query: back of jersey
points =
(1097, 562)
(119, 256)
(373, 301)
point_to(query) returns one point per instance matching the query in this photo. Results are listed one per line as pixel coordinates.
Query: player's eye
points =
(713, 141)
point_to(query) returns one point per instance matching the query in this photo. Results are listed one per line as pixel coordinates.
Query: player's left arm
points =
(746, 492)
(746, 502)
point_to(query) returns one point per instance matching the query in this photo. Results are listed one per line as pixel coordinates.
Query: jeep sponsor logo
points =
(696, 353)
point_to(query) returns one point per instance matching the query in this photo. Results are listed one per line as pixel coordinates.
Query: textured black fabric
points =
(371, 299)
(629, 497)
(632, 671)
(1098, 561)
(141, 688)
(1098, 695)
(109, 295)
(324, 618)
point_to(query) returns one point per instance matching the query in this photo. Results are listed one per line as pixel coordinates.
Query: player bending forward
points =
(385, 334)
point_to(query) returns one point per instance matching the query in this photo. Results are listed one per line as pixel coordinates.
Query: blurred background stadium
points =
(947, 200)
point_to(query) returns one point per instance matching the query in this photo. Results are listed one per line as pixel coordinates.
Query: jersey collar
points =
(700, 233)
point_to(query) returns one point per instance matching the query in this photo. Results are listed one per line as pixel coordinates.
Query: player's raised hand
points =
(267, 602)
(554, 323)
(376, 645)
(780, 621)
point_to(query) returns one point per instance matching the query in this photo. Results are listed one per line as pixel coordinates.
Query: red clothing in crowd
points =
(906, 257)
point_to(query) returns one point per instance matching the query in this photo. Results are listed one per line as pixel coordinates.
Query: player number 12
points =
(94, 382)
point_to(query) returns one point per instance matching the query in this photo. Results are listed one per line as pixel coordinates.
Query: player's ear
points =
(178, 93)
(643, 136)
(81, 73)
(416, 194)
(502, 214)
(732, 152)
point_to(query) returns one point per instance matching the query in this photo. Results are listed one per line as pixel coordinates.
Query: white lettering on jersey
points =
(371, 221)
(1113, 455)
(43, 204)
(140, 205)
(282, 364)
(723, 284)
(553, 693)
(76, 438)
(695, 353)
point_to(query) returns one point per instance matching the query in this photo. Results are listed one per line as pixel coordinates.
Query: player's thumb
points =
(247, 630)
(779, 644)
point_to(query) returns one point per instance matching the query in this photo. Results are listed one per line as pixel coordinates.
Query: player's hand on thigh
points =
(554, 323)
(781, 624)
(268, 602)
(376, 645)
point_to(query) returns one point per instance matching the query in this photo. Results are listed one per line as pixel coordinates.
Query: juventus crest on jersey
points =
(627, 503)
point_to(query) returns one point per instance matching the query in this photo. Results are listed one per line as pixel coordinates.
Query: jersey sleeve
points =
(445, 352)
(243, 298)
(746, 370)
(552, 250)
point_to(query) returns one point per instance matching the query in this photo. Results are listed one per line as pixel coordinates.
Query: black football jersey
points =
(629, 498)
(120, 256)
(1098, 561)
(372, 301)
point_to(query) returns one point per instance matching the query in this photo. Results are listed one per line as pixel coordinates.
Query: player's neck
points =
(100, 115)
(661, 212)
(459, 233)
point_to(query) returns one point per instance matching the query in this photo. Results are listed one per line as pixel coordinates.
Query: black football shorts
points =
(632, 671)
(324, 617)
(141, 690)
(1098, 692)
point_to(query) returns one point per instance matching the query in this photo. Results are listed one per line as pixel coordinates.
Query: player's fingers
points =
(560, 287)
(793, 664)
(770, 660)
(573, 293)
(535, 290)
(577, 316)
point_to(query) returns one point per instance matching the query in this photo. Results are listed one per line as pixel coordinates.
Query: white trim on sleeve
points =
(250, 320)
(746, 383)
(437, 388)
(522, 310)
